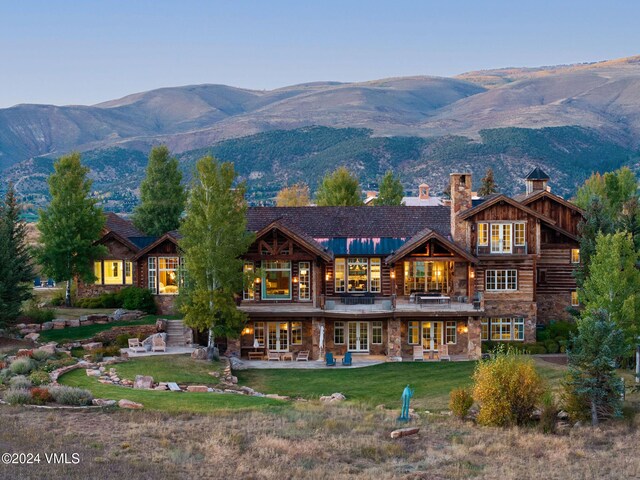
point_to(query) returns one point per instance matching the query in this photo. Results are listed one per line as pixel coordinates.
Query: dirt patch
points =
(8, 345)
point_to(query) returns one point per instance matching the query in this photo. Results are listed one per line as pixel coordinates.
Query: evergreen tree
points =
(16, 268)
(162, 195)
(488, 184)
(339, 188)
(597, 221)
(214, 236)
(592, 365)
(391, 190)
(613, 284)
(294, 196)
(70, 225)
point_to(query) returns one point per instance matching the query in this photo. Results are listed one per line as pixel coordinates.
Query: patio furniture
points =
(418, 353)
(135, 346)
(303, 356)
(37, 283)
(275, 356)
(50, 283)
(256, 355)
(158, 344)
(347, 361)
(330, 361)
(287, 356)
(433, 298)
(477, 300)
(443, 354)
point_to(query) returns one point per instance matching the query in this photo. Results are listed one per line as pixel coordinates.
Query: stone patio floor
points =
(359, 361)
(170, 351)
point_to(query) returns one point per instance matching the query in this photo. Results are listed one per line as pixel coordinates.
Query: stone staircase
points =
(177, 334)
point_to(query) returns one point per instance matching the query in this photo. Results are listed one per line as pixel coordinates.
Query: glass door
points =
(358, 340)
(431, 335)
(278, 336)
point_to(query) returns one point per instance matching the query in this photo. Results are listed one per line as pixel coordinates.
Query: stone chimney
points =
(536, 181)
(423, 191)
(460, 201)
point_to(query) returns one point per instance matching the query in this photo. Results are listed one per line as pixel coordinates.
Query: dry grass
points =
(309, 441)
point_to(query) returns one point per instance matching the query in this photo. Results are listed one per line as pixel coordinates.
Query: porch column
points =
(317, 324)
(474, 349)
(233, 347)
(394, 340)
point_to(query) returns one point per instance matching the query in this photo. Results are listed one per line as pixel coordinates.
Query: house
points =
(424, 199)
(383, 280)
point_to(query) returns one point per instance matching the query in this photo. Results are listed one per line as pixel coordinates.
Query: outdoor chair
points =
(273, 356)
(303, 356)
(444, 353)
(135, 346)
(158, 344)
(418, 353)
(330, 361)
(347, 361)
(37, 282)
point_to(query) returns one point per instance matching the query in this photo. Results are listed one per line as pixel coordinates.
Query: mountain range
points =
(569, 119)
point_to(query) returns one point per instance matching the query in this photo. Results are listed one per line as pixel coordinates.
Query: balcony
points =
(495, 250)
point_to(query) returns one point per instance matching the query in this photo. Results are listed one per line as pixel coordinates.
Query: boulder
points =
(20, 326)
(32, 336)
(85, 321)
(215, 374)
(36, 327)
(92, 345)
(143, 381)
(47, 326)
(124, 403)
(50, 348)
(26, 331)
(335, 397)
(91, 372)
(161, 387)
(161, 325)
(275, 396)
(116, 315)
(197, 388)
(562, 415)
(59, 324)
(73, 322)
(103, 402)
(404, 432)
(199, 354)
(129, 317)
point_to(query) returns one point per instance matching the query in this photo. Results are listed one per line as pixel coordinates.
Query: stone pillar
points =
(233, 347)
(460, 201)
(316, 325)
(394, 340)
(474, 348)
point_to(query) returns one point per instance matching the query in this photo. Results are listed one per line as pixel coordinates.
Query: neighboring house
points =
(423, 199)
(383, 280)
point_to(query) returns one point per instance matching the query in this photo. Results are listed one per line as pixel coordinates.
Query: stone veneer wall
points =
(461, 347)
(527, 310)
(166, 304)
(553, 306)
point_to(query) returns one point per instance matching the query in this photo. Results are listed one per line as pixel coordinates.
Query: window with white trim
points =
(128, 272)
(276, 279)
(357, 271)
(451, 332)
(376, 332)
(518, 329)
(502, 329)
(296, 333)
(375, 275)
(501, 238)
(249, 291)
(483, 234)
(152, 275)
(484, 329)
(258, 333)
(575, 255)
(339, 264)
(304, 282)
(519, 234)
(414, 332)
(501, 280)
(168, 275)
(338, 333)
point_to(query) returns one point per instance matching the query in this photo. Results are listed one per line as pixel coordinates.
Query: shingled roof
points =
(537, 174)
(121, 226)
(354, 222)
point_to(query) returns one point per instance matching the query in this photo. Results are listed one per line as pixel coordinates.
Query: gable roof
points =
(121, 226)
(154, 244)
(424, 236)
(528, 199)
(537, 174)
(299, 237)
(353, 222)
(503, 198)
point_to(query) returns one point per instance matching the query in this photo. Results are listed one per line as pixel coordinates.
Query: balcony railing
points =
(498, 249)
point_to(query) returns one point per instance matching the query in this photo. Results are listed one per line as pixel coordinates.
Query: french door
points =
(358, 337)
(278, 336)
(431, 335)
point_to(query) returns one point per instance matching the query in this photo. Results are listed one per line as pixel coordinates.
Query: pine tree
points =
(339, 188)
(391, 190)
(70, 225)
(162, 195)
(16, 268)
(592, 365)
(214, 236)
(294, 196)
(488, 184)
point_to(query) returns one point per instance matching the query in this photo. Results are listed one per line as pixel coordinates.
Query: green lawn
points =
(378, 384)
(72, 334)
(175, 402)
(171, 368)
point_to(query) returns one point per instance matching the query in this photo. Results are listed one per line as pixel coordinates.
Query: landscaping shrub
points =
(78, 352)
(543, 335)
(5, 375)
(105, 300)
(22, 366)
(71, 395)
(536, 349)
(20, 382)
(575, 404)
(41, 355)
(562, 329)
(136, 298)
(17, 396)
(58, 299)
(39, 378)
(40, 396)
(460, 401)
(37, 314)
(552, 346)
(507, 388)
(548, 413)
(122, 340)
(51, 365)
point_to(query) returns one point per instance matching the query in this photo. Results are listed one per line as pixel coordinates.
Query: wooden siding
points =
(565, 217)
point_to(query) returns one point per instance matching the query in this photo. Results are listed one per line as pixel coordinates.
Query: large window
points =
(451, 332)
(168, 275)
(340, 274)
(97, 271)
(248, 292)
(422, 276)
(258, 333)
(375, 275)
(358, 274)
(501, 280)
(503, 329)
(519, 234)
(116, 272)
(500, 238)
(276, 279)
(304, 283)
(483, 234)
(376, 332)
(575, 255)
(296, 333)
(152, 274)
(338, 333)
(414, 332)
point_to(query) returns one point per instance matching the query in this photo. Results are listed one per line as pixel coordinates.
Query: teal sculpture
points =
(406, 398)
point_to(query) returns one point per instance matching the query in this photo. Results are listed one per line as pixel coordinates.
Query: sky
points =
(88, 51)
